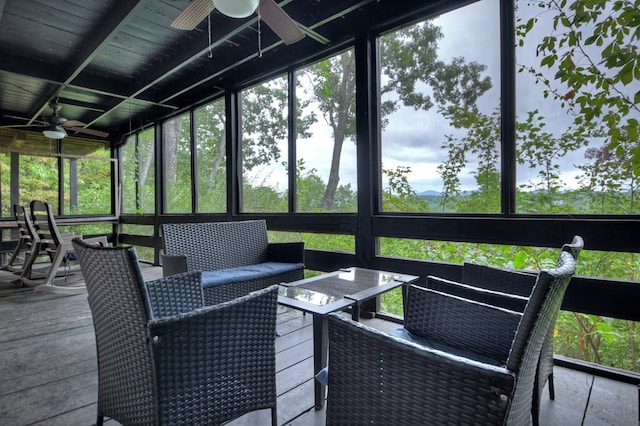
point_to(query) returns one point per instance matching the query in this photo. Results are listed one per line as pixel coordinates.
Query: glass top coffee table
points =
(335, 291)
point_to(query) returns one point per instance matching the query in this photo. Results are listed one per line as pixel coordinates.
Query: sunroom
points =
(402, 136)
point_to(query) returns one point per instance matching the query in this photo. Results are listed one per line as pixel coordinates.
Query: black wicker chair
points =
(468, 362)
(165, 359)
(509, 289)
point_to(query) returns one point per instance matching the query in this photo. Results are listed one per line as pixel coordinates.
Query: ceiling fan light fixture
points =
(236, 8)
(54, 132)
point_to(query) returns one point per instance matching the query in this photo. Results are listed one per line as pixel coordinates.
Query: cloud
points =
(415, 138)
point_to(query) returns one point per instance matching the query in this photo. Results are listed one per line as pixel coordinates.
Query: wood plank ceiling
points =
(116, 65)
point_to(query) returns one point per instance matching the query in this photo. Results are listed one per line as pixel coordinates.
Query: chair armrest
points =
(499, 279)
(376, 378)
(512, 302)
(230, 352)
(174, 295)
(173, 264)
(463, 324)
(286, 252)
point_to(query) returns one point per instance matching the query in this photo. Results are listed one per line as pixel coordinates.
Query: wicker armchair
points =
(509, 289)
(165, 359)
(467, 363)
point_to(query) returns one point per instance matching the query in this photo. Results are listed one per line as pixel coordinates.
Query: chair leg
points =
(552, 391)
(100, 420)
(28, 263)
(274, 416)
(535, 410)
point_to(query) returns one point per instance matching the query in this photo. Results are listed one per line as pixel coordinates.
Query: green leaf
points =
(626, 75)
(519, 260)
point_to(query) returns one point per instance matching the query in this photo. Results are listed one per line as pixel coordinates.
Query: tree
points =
(210, 139)
(542, 151)
(593, 51)
(609, 181)
(408, 57)
(482, 139)
(400, 196)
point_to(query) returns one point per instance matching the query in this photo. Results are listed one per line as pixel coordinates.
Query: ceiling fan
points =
(268, 10)
(55, 126)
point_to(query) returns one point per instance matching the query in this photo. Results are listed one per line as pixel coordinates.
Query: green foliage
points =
(597, 339)
(176, 138)
(482, 140)
(211, 157)
(608, 182)
(410, 56)
(38, 180)
(310, 190)
(542, 151)
(400, 196)
(264, 122)
(593, 52)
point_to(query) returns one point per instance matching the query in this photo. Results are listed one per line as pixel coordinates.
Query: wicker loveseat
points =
(234, 257)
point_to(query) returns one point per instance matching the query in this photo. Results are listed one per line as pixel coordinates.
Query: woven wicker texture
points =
(217, 245)
(453, 321)
(175, 295)
(202, 366)
(521, 284)
(499, 279)
(512, 302)
(220, 245)
(222, 293)
(375, 378)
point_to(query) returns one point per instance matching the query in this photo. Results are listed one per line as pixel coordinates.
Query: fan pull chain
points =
(209, 22)
(259, 35)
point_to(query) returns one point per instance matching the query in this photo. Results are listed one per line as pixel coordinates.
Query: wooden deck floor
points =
(48, 371)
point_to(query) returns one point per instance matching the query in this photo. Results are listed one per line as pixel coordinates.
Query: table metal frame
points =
(341, 302)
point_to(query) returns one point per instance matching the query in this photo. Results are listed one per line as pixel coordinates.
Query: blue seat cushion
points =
(247, 273)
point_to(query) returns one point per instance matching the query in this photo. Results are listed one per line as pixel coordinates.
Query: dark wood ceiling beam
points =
(2, 4)
(193, 51)
(119, 16)
(30, 67)
(180, 59)
(50, 74)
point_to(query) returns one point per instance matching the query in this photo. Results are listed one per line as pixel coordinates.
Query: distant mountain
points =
(429, 193)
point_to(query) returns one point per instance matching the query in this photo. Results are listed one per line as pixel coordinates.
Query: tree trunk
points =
(339, 121)
(170, 140)
(146, 159)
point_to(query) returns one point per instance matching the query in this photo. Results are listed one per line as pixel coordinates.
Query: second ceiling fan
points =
(269, 11)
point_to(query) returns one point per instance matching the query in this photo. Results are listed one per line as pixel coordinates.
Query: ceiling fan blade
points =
(72, 123)
(92, 132)
(33, 122)
(193, 14)
(280, 22)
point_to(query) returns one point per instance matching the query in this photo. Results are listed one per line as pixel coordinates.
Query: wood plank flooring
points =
(48, 370)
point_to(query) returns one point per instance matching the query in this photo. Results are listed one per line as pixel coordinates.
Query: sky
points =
(414, 138)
